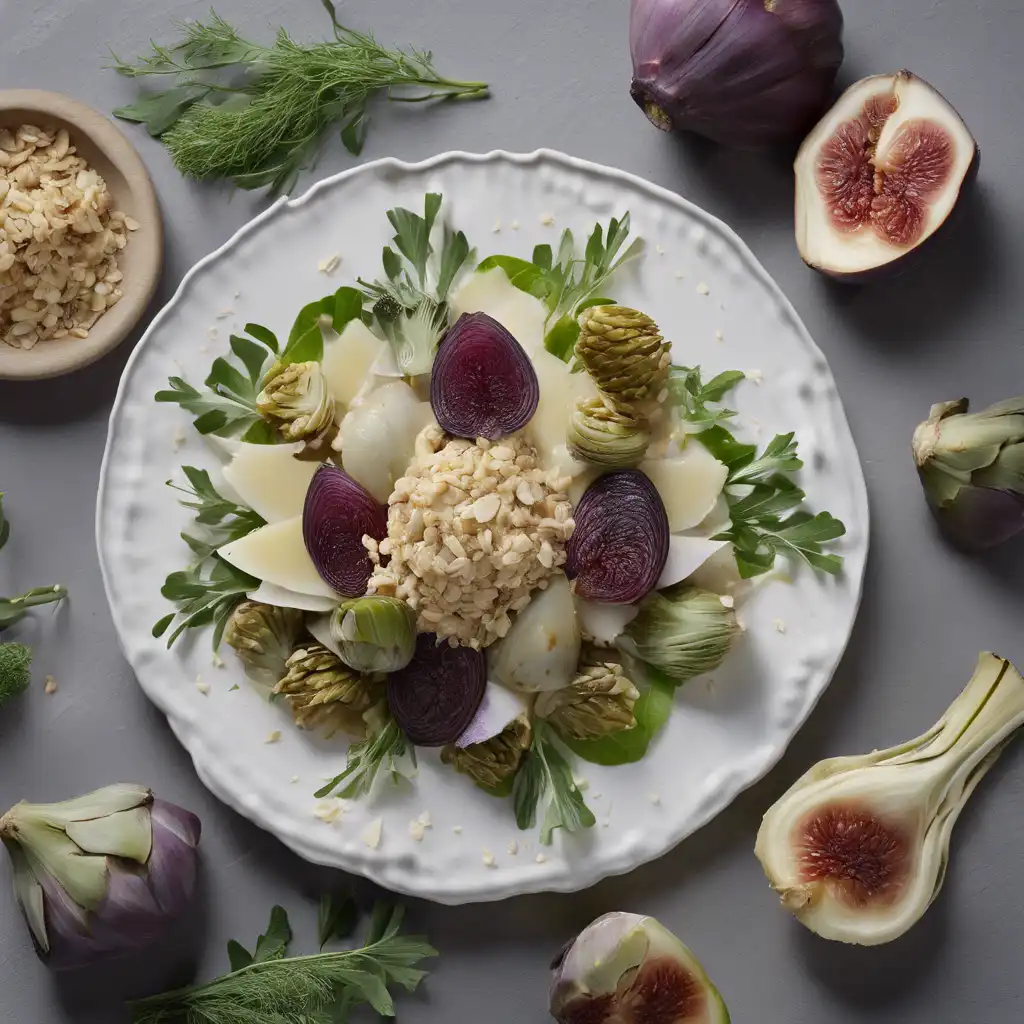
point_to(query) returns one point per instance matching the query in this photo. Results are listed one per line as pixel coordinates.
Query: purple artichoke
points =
(101, 875)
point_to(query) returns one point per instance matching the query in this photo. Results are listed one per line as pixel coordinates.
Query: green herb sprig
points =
(566, 283)
(365, 760)
(15, 658)
(764, 506)
(208, 590)
(256, 115)
(697, 402)
(545, 783)
(269, 986)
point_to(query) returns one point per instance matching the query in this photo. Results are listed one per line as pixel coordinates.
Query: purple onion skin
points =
(336, 515)
(435, 697)
(141, 900)
(744, 73)
(620, 544)
(482, 383)
(982, 517)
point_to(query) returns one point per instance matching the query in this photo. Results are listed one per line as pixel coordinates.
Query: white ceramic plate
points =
(720, 738)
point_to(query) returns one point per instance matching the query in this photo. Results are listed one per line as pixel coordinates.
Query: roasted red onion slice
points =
(336, 516)
(434, 698)
(483, 383)
(620, 544)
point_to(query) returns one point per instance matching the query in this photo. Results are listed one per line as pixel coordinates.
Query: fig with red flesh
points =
(483, 383)
(620, 545)
(434, 698)
(879, 175)
(858, 847)
(628, 969)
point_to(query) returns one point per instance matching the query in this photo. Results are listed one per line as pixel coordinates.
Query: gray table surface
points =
(559, 73)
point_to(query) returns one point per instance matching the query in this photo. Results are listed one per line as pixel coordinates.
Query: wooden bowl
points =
(104, 147)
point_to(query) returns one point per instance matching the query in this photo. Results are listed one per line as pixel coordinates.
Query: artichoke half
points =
(624, 352)
(598, 702)
(295, 398)
(972, 469)
(324, 693)
(607, 435)
(375, 634)
(263, 636)
(493, 761)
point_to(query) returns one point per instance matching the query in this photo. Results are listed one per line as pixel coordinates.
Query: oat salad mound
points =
(476, 506)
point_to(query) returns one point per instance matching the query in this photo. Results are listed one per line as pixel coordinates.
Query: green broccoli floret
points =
(15, 676)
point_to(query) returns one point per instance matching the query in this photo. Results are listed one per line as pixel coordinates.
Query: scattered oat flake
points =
(513, 848)
(49, 685)
(236, 295)
(217, 660)
(754, 375)
(416, 831)
(655, 799)
(294, 779)
(703, 289)
(425, 820)
(547, 219)
(780, 626)
(540, 858)
(202, 687)
(328, 811)
(719, 336)
(497, 226)
(596, 796)
(581, 784)
(225, 313)
(488, 859)
(179, 439)
(457, 829)
(274, 737)
(212, 333)
(371, 835)
(329, 265)
(679, 275)
(660, 250)
(514, 225)
(131, 224)
(728, 601)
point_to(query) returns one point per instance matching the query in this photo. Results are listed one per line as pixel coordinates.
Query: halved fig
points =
(628, 969)
(880, 174)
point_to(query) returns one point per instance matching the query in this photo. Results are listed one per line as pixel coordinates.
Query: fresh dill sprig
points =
(257, 114)
(267, 986)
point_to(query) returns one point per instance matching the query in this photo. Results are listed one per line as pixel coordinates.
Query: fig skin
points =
(919, 253)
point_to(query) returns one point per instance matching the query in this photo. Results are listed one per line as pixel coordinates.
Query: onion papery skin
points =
(483, 383)
(620, 545)
(337, 514)
(745, 73)
(436, 696)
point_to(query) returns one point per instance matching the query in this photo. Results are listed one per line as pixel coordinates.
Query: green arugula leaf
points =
(652, 711)
(273, 943)
(353, 133)
(365, 760)
(159, 111)
(5, 525)
(336, 918)
(263, 335)
(238, 955)
(560, 339)
(778, 457)
(545, 781)
(522, 274)
(204, 597)
(726, 448)
(696, 401)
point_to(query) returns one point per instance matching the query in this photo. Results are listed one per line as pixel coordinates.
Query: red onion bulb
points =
(746, 73)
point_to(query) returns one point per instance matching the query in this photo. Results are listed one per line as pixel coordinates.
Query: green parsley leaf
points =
(696, 401)
(545, 782)
(204, 593)
(336, 918)
(273, 943)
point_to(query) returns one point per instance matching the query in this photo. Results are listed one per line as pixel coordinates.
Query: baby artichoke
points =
(605, 435)
(263, 636)
(296, 400)
(492, 762)
(684, 631)
(598, 702)
(324, 693)
(972, 469)
(375, 634)
(623, 350)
